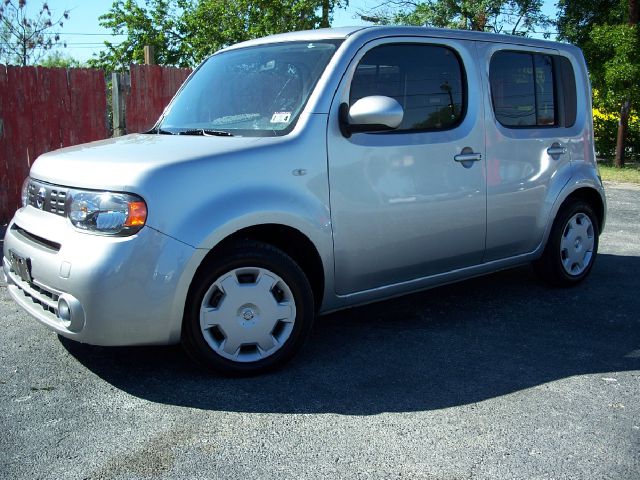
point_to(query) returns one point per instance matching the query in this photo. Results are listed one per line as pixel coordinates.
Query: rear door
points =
(403, 204)
(530, 128)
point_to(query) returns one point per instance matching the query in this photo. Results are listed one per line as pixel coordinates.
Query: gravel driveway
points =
(497, 377)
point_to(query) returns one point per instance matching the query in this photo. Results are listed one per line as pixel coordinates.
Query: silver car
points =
(304, 173)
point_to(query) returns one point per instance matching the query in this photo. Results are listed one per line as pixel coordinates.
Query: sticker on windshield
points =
(281, 117)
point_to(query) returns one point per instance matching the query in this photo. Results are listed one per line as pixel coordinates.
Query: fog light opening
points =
(64, 312)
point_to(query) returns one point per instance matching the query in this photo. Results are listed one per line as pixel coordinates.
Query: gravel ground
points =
(497, 377)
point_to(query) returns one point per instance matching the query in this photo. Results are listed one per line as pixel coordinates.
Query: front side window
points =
(522, 89)
(255, 91)
(427, 80)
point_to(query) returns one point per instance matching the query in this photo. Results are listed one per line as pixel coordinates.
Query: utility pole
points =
(149, 55)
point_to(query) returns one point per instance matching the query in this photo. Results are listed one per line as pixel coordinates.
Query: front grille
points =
(45, 297)
(43, 242)
(47, 197)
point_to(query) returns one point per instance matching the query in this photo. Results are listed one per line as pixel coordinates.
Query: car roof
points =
(376, 31)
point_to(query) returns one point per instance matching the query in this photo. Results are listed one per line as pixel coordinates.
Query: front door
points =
(409, 203)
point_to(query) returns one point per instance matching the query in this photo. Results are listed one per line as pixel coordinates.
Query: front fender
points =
(228, 214)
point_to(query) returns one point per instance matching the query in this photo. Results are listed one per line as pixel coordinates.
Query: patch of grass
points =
(630, 173)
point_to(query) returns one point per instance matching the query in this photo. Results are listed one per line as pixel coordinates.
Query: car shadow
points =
(450, 346)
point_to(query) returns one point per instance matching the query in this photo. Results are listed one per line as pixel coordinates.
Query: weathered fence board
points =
(152, 87)
(5, 184)
(42, 109)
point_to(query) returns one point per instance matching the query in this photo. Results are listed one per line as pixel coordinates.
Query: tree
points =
(60, 60)
(158, 24)
(218, 23)
(516, 17)
(25, 39)
(184, 32)
(576, 18)
(618, 76)
(608, 33)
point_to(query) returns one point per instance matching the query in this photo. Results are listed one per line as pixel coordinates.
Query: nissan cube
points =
(307, 172)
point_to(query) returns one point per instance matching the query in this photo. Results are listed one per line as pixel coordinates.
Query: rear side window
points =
(427, 80)
(522, 89)
(532, 90)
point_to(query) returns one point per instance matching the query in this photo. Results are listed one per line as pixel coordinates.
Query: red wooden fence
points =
(42, 109)
(152, 87)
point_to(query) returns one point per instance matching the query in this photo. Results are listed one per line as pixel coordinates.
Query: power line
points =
(75, 44)
(88, 43)
(87, 34)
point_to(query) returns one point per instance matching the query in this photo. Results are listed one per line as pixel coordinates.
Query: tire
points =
(249, 310)
(572, 246)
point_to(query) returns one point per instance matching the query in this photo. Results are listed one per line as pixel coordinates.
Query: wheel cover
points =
(577, 244)
(247, 314)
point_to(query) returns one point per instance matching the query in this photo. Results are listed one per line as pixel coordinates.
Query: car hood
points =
(123, 162)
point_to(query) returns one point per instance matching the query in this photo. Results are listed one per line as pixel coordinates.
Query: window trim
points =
(463, 80)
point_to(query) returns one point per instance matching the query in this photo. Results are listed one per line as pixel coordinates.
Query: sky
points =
(84, 36)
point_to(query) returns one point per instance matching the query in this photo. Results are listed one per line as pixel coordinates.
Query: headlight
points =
(106, 212)
(25, 192)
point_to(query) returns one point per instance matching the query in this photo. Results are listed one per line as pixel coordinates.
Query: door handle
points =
(556, 150)
(468, 157)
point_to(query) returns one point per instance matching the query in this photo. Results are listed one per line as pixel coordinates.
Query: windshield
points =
(254, 91)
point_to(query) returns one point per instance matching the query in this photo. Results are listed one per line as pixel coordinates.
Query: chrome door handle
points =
(468, 157)
(556, 150)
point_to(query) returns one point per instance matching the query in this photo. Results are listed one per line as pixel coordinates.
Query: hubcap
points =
(247, 314)
(576, 244)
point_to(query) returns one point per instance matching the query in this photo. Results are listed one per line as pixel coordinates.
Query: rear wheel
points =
(250, 309)
(572, 246)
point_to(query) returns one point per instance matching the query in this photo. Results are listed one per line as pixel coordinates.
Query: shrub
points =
(605, 127)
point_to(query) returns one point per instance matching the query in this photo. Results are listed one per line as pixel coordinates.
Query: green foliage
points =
(616, 69)
(214, 24)
(611, 48)
(158, 23)
(605, 131)
(184, 32)
(516, 17)
(576, 18)
(60, 60)
(24, 40)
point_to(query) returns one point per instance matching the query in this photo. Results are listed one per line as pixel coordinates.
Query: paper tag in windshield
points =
(281, 117)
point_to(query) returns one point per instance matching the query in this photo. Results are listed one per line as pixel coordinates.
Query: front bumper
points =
(118, 290)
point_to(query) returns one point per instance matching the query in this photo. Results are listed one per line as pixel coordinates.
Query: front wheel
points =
(249, 310)
(572, 246)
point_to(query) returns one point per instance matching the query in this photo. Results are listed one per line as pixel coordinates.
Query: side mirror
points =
(370, 114)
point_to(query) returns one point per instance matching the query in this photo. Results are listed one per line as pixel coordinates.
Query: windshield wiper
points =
(160, 131)
(206, 132)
